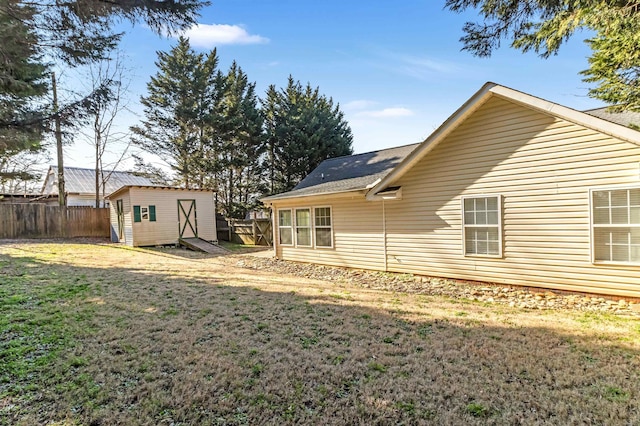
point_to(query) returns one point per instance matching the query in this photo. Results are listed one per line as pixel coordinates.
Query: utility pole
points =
(62, 199)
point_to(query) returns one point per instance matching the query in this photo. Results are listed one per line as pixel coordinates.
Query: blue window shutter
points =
(152, 213)
(137, 217)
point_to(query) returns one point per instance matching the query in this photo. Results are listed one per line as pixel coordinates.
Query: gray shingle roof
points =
(626, 118)
(83, 181)
(348, 173)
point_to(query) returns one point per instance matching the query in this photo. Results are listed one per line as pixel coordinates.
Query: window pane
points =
(323, 237)
(620, 237)
(482, 246)
(492, 203)
(619, 198)
(469, 218)
(302, 217)
(635, 215)
(635, 235)
(635, 254)
(492, 218)
(492, 234)
(285, 236)
(601, 216)
(601, 198)
(634, 195)
(468, 204)
(620, 253)
(470, 242)
(619, 215)
(285, 217)
(481, 218)
(303, 236)
(493, 248)
(481, 203)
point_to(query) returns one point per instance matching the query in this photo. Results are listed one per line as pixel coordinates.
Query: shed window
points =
(141, 213)
(482, 225)
(616, 225)
(323, 231)
(303, 227)
(285, 228)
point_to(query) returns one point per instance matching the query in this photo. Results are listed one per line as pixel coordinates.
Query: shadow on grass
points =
(128, 345)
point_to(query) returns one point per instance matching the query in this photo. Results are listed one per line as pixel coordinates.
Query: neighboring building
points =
(510, 189)
(80, 184)
(158, 215)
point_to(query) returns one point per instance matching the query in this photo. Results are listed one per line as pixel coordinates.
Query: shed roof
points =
(348, 173)
(83, 181)
(153, 187)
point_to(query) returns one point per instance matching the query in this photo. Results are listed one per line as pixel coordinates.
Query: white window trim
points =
(592, 226)
(310, 227)
(322, 227)
(291, 227)
(464, 226)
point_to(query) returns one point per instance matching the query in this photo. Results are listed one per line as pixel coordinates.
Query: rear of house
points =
(511, 189)
(153, 215)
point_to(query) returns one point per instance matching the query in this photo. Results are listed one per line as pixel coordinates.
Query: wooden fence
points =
(42, 221)
(253, 231)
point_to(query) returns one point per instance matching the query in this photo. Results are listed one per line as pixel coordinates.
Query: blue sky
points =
(396, 68)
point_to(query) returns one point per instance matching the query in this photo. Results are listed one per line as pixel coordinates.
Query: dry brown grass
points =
(173, 337)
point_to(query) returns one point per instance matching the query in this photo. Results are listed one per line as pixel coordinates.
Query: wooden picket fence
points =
(43, 221)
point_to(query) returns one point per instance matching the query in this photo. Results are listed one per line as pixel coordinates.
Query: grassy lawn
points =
(99, 334)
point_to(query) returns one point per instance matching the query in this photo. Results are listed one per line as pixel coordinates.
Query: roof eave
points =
(270, 199)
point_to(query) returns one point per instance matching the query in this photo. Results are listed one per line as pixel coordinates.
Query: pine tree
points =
(178, 111)
(543, 26)
(242, 138)
(303, 128)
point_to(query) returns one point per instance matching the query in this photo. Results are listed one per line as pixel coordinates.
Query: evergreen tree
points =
(22, 83)
(76, 32)
(303, 128)
(242, 141)
(178, 111)
(543, 25)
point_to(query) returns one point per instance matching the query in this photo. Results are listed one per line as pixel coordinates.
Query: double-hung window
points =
(482, 225)
(285, 227)
(322, 222)
(616, 225)
(303, 227)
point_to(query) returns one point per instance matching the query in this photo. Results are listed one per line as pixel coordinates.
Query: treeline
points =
(214, 132)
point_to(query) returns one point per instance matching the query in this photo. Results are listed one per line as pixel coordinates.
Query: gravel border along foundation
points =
(519, 297)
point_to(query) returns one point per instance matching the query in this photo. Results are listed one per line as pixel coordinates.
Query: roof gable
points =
(83, 181)
(489, 90)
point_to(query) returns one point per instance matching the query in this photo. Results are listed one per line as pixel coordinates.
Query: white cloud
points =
(209, 36)
(387, 113)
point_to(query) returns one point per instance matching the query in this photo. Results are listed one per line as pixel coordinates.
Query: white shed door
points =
(187, 219)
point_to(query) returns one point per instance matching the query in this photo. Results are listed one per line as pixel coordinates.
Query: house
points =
(143, 215)
(80, 184)
(510, 189)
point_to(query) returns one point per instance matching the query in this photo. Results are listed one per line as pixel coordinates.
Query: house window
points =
(141, 213)
(482, 226)
(323, 231)
(616, 225)
(303, 227)
(285, 227)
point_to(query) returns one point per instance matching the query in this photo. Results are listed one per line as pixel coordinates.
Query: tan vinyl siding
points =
(357, 233)
(165, 229)
(543, 167)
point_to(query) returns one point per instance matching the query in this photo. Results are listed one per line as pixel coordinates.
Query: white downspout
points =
(384, 236)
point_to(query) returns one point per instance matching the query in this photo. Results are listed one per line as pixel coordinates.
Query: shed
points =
(158, 215)
(511, 189)
(80, 185)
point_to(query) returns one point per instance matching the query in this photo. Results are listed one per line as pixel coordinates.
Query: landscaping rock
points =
(520, 297)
